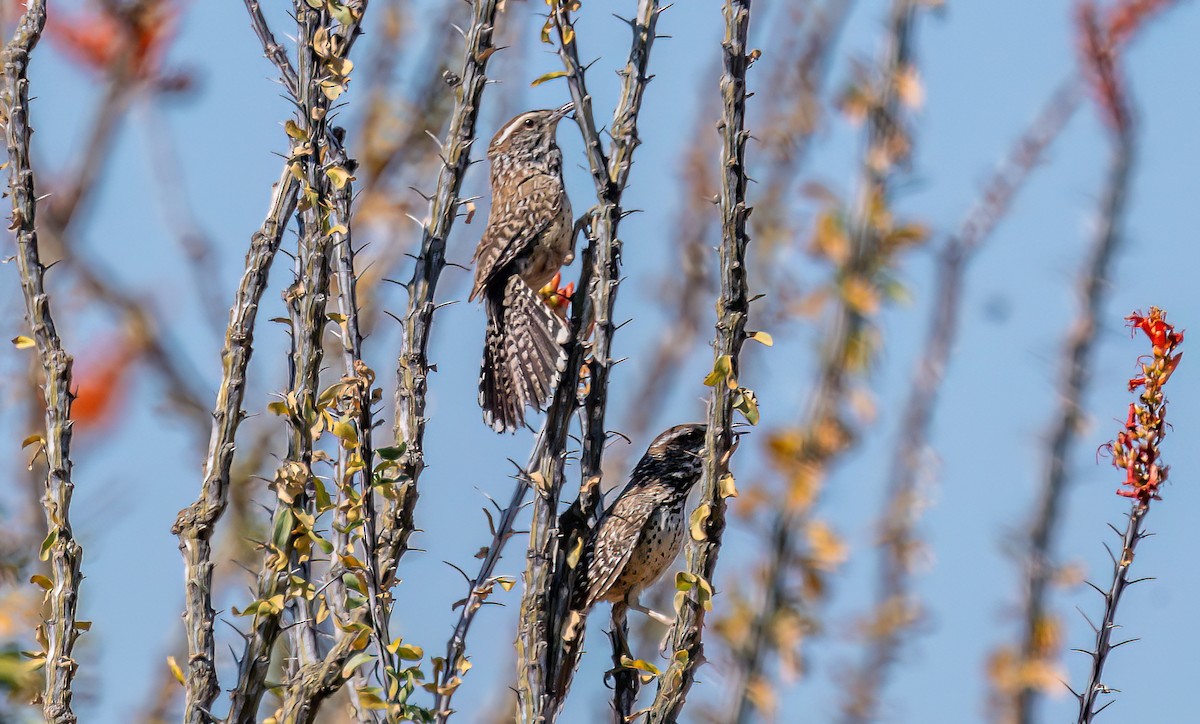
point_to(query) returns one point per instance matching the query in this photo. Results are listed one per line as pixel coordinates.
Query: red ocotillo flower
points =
(1136, 449)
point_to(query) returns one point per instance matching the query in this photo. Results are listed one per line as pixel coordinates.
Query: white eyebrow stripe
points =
(513, 125)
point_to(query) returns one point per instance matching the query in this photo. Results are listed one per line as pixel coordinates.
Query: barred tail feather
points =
(498, 393)
(534, 337)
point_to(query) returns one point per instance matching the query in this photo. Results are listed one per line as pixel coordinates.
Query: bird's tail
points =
(523, 355)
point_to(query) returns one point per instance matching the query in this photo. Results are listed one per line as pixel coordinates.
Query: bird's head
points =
(531, 134)
(676, 457)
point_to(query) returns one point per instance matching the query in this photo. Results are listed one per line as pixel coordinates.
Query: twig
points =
(893, 612)
(412, 365)
(1093, 283)
(1136, 452)
(306, 302)
(59, 631)
(823, 434)
(197, 523)
(733, 307)
(315, 682)
(545, 663)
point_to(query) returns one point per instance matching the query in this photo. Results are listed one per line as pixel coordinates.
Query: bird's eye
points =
(529, 123)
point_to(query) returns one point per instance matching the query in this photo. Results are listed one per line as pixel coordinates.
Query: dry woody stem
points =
(59, 631)
(823, 434)
(412, 367)
(895, 610)
(732, 309)
(1136, 452)
(1093, 283)
(546, 664)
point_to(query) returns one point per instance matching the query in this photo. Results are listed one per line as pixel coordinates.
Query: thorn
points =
(461, 572)
(616, 433)
(1089, 621)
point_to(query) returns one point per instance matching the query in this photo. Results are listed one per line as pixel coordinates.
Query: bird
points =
(529, 237)
(639, 535)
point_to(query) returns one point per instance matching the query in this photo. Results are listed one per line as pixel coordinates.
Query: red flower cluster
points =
(558, 298)
(1136, 449)
(100, 37)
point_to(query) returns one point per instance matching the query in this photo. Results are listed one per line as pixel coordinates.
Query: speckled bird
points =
(642, 532)
(529, 237)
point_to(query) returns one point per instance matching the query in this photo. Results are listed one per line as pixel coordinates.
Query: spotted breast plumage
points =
(642, 532)
(529, 237)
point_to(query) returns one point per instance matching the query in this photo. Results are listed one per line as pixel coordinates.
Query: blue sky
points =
(986, 69)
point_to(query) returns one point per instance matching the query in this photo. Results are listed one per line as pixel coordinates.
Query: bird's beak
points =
(559, 113)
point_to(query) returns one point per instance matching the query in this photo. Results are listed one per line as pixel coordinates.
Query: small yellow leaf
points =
(175, 670)
(722, 371)
(409, 652)
(41, 581)
(339, 176)
(698, 520)
(575, 553)
(506, 582)
(23, 342)
(726, 486)
(762, 338)
(340, 66)
(344, 430)
(294, 130)
(34, 438)
(549, 76)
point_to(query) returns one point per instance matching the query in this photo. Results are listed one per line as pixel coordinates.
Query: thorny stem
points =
(894, 611)
(306, 301)
(59, 630)
(316, 682)
(412, 365)
(846, 341)
(543, 465)
(197, 523)
(733, 307)
(1103, 646)
(1136, 451)
(1039, 566)
(546, 664)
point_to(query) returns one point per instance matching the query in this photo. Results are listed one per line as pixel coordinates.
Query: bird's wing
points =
(616, 538)
(516, 225)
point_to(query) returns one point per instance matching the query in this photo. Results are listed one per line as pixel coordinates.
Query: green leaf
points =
(47, 544)
(282, 534)
(391, 453)
(355, 661)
